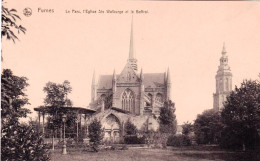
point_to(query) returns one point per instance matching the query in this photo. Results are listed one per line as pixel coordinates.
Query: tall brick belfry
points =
(223, 82)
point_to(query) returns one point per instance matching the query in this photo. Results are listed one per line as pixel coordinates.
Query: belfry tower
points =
(223, 81)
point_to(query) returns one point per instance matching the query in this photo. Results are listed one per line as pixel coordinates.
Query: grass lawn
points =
(145, 154)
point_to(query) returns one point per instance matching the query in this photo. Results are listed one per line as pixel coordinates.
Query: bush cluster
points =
(134, 139)
(22, 142)
(178, 140)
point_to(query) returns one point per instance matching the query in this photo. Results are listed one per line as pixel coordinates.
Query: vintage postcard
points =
(130, 80)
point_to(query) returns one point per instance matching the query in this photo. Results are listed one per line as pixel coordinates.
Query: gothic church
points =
(129, 95)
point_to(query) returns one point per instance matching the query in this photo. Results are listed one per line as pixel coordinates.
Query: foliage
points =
(241, 116)
(56, 98)
(57, 94)
(13, 97)
(130, 128)
(22, 142)
(178, 140)
(167, 118)
(95, 132)
(167, 122)
(9, 24)
(207, 127)
(18, 141)
(187, 128)
(134, 139)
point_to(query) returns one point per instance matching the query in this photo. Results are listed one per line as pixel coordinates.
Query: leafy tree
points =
(9, 24)
(57, 94)
(241, 116)
(187, 128)
(167, 123)
(95, 133)
(167, 118)
(18, 141)
(56, 98)
(130, 128)
(13, 97)
(207, 127)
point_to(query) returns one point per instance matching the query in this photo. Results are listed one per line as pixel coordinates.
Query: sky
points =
(187, 37)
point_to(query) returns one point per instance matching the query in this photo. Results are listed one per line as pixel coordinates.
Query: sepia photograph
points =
(130, 80)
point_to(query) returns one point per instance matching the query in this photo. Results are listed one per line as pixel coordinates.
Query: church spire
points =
(94, 79)
(168, 76)
(93, 88)
(131, 58)
(141, 75)
(131, 50)
(224, 49)
(114, 75)
(224, 57)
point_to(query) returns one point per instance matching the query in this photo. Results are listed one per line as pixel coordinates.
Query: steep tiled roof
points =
(150, 80)
(153, 80)
(105, 81)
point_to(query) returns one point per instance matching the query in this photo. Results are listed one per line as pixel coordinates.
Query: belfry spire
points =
(131, 58)
(223, 81)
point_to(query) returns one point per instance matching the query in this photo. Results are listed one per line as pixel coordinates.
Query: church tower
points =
(223, 81)
(131, 59)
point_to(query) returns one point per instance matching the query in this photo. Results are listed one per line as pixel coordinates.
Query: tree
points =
(95, 133)
(57, 94)
(56, 98)
(167, 118)
(13, 97)
(187, 128)
(241, 116)
(9, 24)
(130, 128)
(207, 127)
(167, 122)
(18, 141)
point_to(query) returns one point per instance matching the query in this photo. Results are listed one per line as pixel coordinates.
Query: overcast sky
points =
(187, 37)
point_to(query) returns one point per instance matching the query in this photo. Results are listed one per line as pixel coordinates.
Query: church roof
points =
(105, 81)
(151, 80)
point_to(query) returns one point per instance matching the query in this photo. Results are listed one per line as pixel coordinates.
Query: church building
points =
(132, 95)
(223, 82)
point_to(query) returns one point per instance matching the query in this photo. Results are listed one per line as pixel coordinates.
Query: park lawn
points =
(145, 154)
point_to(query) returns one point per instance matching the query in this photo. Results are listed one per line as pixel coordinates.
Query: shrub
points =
(207, 127)
(95, 132)
(130, 128)
(179, 140)
(22, 142)
(134, 139)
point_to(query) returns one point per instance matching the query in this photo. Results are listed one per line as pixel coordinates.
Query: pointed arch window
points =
(128, 101)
